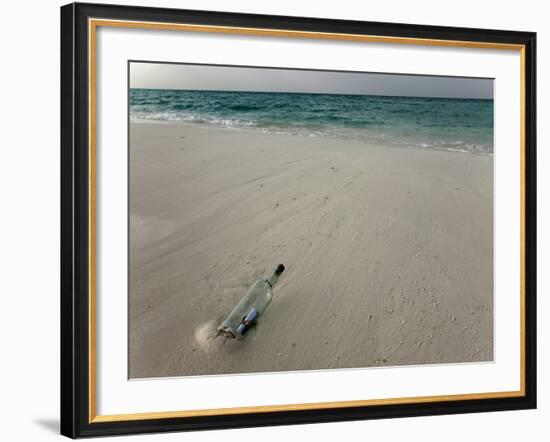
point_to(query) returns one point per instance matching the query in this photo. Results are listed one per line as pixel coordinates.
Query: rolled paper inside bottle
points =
(251, 316)
(241, 329)
(248, 320)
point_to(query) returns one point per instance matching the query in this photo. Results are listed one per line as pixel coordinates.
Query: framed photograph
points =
(274, 220)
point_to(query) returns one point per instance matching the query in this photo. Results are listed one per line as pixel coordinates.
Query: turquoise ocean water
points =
(432, 123)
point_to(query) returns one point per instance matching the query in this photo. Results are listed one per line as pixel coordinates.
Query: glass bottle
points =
(251, 306)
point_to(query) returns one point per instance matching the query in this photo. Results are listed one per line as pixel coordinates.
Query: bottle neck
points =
(272, 279)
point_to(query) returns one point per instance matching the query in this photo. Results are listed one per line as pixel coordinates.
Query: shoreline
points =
(255, 129)
(388, 251)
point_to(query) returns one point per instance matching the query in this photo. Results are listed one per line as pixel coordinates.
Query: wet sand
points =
(388, 252)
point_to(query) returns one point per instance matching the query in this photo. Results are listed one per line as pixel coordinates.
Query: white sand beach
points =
(388, 252)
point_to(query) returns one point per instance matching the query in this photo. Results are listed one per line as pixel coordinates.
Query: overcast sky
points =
(223, 78)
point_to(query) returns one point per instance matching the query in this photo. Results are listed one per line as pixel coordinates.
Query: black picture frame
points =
(75, 221)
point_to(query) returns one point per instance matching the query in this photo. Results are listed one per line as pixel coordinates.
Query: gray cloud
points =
(229, 78)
